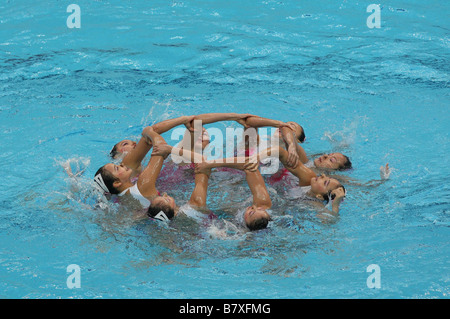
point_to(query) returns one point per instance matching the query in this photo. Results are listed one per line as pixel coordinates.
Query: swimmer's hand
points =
(188, 121)
(251, 164)
(80, 170)
(202, 168)
(288, 125)
(293, 157)
(337, 196)
(385, 171)
(243, 122)
(67, 168)
(146, 134)
(162, 149)
(242, 119)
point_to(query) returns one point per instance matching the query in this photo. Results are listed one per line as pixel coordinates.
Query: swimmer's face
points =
(330, 161)
(125, 146)
(323, 184)
(204, 138)
(120, 172)
(165, 201)
(254, 213)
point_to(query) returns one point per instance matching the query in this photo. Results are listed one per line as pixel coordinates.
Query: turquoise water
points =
(378, 95)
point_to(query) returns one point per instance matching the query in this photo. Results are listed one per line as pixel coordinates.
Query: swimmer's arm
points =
(152, 137)
(149, 138)
(147, 179)
(294, 149)
(188, 156)
(134, 158)
(337, 196)
(195, 125)
(385, 172)
(324, 214)
(167, 125)
(303, 173)
(301, 153)
(146, 182)
(257, 121)
(327, 215)
(255, 181)
(199, 194)
(68, 169)
(208, 118)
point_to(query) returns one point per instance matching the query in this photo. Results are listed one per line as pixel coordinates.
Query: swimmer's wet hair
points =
(155, 209)
(347, 164)
(114, 152)
(108, 179)
(302, 136)
(259, 223)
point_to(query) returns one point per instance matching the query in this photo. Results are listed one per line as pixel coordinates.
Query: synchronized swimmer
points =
(135, 185)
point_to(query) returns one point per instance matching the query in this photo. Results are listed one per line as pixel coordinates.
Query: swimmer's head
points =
(299, 132)
(122, 147)
(165, 204)
(113, 177)
(323, 186)
(203, 139)
(256, 218)
(333, 161)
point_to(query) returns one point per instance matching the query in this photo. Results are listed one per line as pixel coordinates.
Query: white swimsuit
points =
(302, 193)
(134, 191)
(192, 213)
(310, 164)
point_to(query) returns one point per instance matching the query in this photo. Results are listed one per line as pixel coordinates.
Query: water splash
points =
(344, 138)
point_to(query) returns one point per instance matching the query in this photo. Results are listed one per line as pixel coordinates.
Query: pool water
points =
(378, 95)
